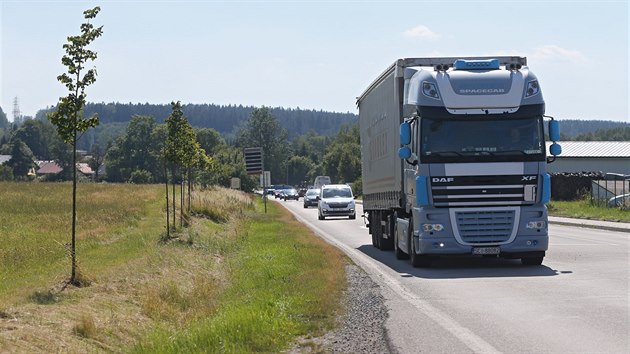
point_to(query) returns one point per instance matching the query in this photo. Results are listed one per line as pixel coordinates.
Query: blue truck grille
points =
(485, 227)
(459, 191)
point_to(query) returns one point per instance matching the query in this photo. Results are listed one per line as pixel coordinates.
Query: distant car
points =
(310, 197)
(278, 193)
(290, 194)
(336, 200)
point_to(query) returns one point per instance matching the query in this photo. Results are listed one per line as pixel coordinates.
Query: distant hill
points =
(228, 119)
(225, 119)
(572, 128)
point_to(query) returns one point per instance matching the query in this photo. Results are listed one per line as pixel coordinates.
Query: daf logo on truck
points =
(442, 179)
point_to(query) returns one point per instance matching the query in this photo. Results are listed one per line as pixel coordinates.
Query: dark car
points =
(290, 194)
(310, 197)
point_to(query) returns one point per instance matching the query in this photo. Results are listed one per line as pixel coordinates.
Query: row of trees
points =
(227, 120)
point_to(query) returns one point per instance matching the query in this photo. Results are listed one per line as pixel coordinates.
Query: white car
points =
(336, 200)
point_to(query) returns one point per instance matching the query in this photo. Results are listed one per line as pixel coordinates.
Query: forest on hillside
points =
(224, 119)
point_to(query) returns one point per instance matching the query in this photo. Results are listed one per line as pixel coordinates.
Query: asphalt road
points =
(576, 302)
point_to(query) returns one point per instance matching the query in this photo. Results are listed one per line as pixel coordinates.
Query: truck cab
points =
(473, 162)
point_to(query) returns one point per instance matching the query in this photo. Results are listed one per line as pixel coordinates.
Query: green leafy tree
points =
(182, 151)
(210, 140)
(97, 160)
(136, 150)
(4, 122)
(39, 136)
(6, 173)
(342, 161)
(299, 167)
(21, 159)
(68, 117)
(263, 130)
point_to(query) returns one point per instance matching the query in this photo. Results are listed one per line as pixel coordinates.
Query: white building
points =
(592, 156)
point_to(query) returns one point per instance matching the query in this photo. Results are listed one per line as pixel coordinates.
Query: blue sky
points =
(310, 54)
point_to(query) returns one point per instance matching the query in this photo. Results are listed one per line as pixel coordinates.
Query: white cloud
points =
(421, 32)
(554, 52)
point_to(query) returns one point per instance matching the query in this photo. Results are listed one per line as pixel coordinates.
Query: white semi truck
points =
(453, 159)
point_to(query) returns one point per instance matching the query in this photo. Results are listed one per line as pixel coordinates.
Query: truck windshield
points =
(481, 140)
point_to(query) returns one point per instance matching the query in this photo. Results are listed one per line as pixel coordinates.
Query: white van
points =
(320, 181)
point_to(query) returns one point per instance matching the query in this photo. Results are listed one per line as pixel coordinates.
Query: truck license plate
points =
(486, 250)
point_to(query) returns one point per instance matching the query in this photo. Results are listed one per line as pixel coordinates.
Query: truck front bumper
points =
(448, 245)
(440, 230)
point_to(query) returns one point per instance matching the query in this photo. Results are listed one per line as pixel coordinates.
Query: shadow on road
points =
(456, 267)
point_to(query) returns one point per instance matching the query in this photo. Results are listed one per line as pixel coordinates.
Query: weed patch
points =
(86, 327)
(44, 297)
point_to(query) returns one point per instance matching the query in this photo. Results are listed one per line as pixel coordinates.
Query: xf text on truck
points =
(453, 159)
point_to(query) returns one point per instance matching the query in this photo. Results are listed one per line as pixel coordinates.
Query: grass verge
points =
(583, 209)
(284, 284)
(235, 280)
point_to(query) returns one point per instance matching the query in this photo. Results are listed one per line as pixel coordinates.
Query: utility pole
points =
(17, 114)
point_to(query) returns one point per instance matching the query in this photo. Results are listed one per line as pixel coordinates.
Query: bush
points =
(141, 177)
(6, 173)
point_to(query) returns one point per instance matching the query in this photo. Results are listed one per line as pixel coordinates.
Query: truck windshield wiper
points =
(445, 153)
(512, 151)
(490, 153)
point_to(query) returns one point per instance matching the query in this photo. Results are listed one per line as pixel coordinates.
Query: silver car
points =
(310, 197)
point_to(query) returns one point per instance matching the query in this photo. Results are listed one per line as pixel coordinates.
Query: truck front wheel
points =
(532, 261)
(417, 260)
(397, 251)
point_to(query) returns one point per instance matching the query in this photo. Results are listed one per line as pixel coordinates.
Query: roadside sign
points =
(253, 160)
(265, 179)
(235, 183)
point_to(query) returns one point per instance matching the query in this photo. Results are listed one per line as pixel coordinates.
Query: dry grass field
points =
(235, 280)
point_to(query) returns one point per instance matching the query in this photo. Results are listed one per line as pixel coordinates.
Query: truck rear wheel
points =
(377, 230)
(388, 243)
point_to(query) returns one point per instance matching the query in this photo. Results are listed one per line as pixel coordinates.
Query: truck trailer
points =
(453, 159)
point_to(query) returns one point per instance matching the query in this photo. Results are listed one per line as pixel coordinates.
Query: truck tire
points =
(532, 261)
(397, 251)
(388, 243)
(370, 224)
(417, 260)
(377, 231)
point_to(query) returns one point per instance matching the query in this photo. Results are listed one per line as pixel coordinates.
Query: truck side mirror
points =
(404, 152)
(554, 130)
(555, 149)
(405, 133)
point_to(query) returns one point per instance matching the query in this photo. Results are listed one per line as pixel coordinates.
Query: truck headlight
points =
(532, 88)
(430, 90)
(432, 227)
(536, 225)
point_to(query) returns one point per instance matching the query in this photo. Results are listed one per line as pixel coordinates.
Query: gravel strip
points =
(361, 328)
